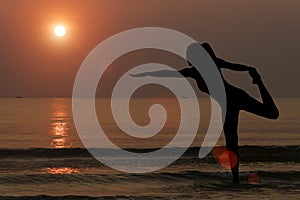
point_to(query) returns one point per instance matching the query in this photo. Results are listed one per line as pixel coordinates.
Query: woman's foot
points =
(235, 182)
(254, 75)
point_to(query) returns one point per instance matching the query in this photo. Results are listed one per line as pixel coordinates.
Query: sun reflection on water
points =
(59, 143)
(59, 126)
(62, 170)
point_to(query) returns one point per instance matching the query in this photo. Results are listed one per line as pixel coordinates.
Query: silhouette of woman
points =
(237, 99)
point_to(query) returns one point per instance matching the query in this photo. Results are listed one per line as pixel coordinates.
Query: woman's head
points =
(194, 48)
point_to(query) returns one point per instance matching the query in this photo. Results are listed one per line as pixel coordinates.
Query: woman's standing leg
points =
(231, 135)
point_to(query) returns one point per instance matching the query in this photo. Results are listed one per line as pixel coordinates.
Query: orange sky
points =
(33, 63)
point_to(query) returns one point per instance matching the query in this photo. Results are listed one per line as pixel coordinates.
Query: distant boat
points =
(19, 97)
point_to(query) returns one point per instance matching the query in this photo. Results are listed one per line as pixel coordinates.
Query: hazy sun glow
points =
(59, 30)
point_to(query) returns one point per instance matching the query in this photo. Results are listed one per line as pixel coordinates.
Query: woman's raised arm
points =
(232, 66)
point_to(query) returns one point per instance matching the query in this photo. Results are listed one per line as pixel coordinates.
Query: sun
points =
(60, 30)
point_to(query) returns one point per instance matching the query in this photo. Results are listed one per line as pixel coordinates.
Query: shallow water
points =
(42, 156)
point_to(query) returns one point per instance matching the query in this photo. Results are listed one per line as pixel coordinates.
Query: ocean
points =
(42, 156)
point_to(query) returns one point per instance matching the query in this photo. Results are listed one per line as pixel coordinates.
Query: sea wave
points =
(124, 178)
(248, 153)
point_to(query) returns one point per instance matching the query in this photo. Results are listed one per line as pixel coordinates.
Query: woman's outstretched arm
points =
(160, 73)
